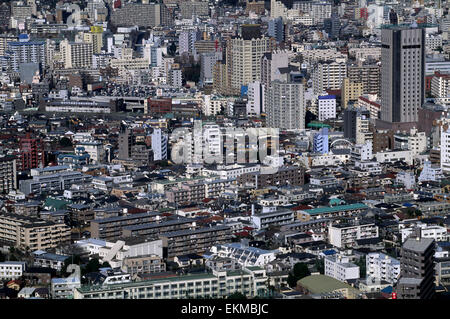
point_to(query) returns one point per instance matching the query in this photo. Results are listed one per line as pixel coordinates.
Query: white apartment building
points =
(95, 150)
(273, 218)
(345, 235)
(438, 233)
(430, 172)
(394, 156)
(250, 281)
(382, 267)
(362, 152)
(440, 84)
(213, 105)
(327, 107)
(255, 98)
(340, 268)
(406, 178)
(445, 150)
(231, 171)
(12, 270)
(244, 255)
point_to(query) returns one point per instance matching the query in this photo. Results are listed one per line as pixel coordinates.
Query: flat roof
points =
(334, 209)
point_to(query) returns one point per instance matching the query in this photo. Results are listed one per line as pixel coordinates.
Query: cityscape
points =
(225, 149)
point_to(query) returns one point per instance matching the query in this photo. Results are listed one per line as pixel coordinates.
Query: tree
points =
(362, 266)
(172, 49)
(65, 142)
(300, 271)
(320, 265)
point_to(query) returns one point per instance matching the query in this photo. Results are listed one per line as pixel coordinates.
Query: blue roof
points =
(407, 204)
(327, 97)
(387, 290)
(329, 252)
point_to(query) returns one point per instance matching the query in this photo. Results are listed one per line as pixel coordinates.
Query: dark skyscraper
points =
(402, 73)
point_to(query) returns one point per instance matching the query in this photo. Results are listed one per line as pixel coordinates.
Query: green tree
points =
(320, 265)
(65, 142)
(301, 270)
(362, 266)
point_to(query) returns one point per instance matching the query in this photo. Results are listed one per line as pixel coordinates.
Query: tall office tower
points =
(270, 63)
(26, 51)
(276, 29)
(31, 153)
(244, 57)
(76, 54)
(417, 269)
(285, 105)
(402, 73)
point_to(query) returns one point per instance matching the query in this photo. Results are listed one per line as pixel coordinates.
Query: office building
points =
(417, 269)
(402, 73)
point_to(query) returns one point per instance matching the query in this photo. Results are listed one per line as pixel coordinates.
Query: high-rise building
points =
(271, 63)
(276, 29)
(207, 62)
(244, 57)
(402, 73)
(417, 269)
(445, 150)
(368, 75)
(142, 15)
(255, 98)
(8, 176)
(187, 39)
(350, 91)
(329, 75)
(76, 54)
(285, 105)
(26, 51)
(31, 153)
